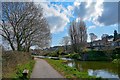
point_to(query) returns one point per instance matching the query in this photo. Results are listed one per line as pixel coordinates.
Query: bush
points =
(96, 56)
(75, 56)
(67, 56)
(113, 54)
(116, 61)
(116, 53)
(53, 54)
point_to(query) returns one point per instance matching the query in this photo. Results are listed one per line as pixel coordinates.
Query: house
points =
(117, 43)
(55, 48)
(113, 44)
(104, 45)
(98, 45)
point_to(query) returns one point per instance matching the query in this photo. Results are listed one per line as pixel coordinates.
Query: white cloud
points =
(97, 12)
(76, 3)
(89, 2)
(100, 13)
(70, 8)
(57, 16)
(77, 19)
(93, 11)
(57, 23)
(91, 27)
(110, 14)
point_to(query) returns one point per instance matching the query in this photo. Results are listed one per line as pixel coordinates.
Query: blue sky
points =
(100, 17)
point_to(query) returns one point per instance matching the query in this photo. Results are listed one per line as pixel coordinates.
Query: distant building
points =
(104, 44)
(97, 45)
(55, 48)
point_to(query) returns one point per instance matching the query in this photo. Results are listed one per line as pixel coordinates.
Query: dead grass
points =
(12, 59)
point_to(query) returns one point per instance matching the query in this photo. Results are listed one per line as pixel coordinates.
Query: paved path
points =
(43, 70)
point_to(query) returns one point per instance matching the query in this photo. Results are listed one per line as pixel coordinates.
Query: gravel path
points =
(43, 70)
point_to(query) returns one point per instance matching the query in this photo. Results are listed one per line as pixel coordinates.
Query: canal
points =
(101, 69)
(97, 68)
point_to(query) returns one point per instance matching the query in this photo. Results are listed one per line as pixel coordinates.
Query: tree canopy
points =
(78, 35)
(23, 25)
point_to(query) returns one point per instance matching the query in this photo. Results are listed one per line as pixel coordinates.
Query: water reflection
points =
(102, 73)
(99, 69)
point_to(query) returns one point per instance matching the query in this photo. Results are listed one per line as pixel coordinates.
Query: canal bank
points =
(103, 69)
(67, 71)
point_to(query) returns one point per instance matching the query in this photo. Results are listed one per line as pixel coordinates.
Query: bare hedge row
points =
(11, 59)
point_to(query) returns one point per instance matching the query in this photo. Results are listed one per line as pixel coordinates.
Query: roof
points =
(118, 40)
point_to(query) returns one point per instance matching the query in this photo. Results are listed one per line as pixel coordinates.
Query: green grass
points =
(29, 66)
(66, 71)
(17, 74)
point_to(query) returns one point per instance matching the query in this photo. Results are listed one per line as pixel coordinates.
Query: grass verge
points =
(17, 73)
(66, 71)
(29, 66)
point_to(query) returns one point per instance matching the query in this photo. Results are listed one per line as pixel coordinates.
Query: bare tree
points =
(78, 35)
(24, 25)
(92, 38)
(115, 35)
(65, 41)
(82, 32)
(105, 38)
(72, 33)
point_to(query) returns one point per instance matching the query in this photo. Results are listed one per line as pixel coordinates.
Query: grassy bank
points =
(13, 64)
(19, 69)
(66, 71)
(16, 74)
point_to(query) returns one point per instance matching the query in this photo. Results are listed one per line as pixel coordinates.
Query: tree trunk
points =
(12, 46)
(28, 49)
(18, 47)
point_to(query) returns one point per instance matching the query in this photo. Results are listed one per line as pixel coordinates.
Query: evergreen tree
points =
(115, 35)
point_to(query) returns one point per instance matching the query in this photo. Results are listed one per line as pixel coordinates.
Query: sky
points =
(100, 16)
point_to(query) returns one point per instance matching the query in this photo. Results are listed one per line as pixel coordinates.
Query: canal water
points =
(94, 68)
(97, 68)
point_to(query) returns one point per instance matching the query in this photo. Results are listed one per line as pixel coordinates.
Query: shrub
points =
(113, 54)
(116, 53)
(53, 54)
(75, 56)
(117, 61)
(96, 55)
